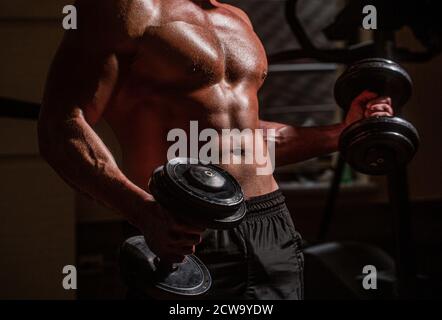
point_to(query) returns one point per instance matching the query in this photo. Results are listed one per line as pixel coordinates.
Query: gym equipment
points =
(210, 195)
(195, 193)
(333, 270)
(378, 75)
(17, 109)
(403, 137)
(421, 17)
(376, 146)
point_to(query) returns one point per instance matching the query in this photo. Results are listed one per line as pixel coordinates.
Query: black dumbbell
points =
(377, 145)
(195, 193)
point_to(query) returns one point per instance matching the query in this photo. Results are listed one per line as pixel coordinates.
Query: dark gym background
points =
(44, 225)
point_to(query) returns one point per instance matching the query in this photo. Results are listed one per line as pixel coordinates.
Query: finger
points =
(380, 107)
(182, 250)
(385, 108)
(185, 250)
(163, 214)
(364, 97)
(187, 228)
(389, 109)
(189, 240)
(379, 114)
(379, 100)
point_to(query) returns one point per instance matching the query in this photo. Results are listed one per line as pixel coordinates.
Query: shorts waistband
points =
(270, 202)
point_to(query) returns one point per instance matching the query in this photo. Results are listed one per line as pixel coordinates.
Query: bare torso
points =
(195, 64)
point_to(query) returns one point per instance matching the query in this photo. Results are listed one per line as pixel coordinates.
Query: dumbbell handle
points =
(390, 104)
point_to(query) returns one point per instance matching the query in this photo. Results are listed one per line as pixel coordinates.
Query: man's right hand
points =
(168, 238)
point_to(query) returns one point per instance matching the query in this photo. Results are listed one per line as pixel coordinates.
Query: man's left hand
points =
(368, 104)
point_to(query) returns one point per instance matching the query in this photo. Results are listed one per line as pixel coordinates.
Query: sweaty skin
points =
(149, 66)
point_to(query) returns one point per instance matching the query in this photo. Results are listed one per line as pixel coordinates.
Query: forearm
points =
(75, 151)
(296, 144)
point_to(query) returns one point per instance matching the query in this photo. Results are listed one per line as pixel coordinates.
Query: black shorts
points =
(260, 259)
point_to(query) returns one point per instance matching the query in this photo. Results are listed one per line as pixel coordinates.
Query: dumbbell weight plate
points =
(200, 193)
(138, 268)
(375, 146)
(378, 75)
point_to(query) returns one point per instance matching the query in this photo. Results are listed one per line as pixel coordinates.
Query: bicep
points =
(80, 81)
(85, 68)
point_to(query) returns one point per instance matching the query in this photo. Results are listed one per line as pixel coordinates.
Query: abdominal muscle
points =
(144, 145)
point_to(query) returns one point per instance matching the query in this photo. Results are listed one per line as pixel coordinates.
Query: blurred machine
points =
(334, 270)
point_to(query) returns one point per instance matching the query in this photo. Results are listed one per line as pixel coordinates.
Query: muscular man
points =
(149, 66)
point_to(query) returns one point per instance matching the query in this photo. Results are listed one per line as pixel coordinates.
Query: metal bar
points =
(30, 19)
(330, 204)
(405, 255)
(300, 108)
(303, 67)
(11, 108)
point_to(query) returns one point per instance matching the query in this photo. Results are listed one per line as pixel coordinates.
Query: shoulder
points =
(110, 22)
(237, 11)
